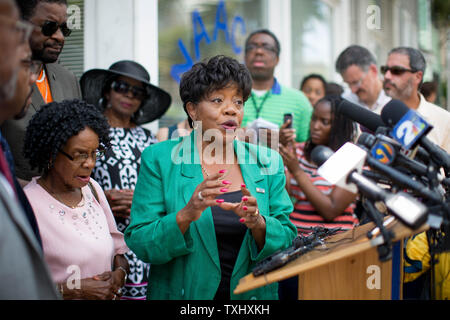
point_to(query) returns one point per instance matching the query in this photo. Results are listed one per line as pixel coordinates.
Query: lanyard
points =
(259, 109)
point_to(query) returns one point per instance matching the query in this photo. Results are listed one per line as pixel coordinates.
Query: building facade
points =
(169, 36)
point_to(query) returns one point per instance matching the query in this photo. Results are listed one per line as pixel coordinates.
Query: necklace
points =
(80, 204)
(207, 174)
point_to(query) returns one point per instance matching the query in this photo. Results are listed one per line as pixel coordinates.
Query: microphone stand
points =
(384, 249)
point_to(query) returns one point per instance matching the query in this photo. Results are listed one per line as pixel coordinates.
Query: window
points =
(312, 45)
(194, 30)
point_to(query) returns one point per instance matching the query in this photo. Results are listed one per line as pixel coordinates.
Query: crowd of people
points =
(95, 206)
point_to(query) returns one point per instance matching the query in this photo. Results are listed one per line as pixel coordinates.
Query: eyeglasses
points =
(396, 70)
(266, 47)
(359, 82)
(124, 87)
(33, 65)
(82, 157)
(50, 27)
(24, 28)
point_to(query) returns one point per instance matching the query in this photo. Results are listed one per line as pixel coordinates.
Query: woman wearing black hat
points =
(127, 99)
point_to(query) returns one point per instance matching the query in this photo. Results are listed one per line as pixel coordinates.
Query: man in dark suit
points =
(54, 82)
(23, 271)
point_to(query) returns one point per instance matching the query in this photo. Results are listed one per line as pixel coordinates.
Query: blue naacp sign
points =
(200, 34)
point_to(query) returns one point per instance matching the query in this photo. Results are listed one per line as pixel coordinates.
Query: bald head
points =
(9, 43)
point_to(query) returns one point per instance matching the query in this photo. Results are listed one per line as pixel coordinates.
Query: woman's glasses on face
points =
(395, 70)
(50, 27)
(83, 157)
(123, 88)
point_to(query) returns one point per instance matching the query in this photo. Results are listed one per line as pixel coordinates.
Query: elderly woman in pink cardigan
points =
(81, 243)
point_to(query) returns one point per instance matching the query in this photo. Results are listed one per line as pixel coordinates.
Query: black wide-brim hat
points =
(93, 82)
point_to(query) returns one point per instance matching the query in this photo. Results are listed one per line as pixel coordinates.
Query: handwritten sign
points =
(201, 34)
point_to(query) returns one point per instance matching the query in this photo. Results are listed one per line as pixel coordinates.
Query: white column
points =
(279, 22)
(122, 30)
(146, 42)
(109, 35)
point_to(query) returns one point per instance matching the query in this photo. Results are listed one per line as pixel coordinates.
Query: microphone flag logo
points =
(383, 152)
(410, 129)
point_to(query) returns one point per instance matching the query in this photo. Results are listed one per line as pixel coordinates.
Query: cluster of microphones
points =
(396, 170)
(399, 156)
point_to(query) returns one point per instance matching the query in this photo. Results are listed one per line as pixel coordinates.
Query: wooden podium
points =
(346, 267)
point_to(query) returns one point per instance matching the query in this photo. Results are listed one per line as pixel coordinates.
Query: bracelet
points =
(124, 271)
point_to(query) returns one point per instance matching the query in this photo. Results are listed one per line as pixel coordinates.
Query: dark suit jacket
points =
(63, 85)
(24, 275)
(23, 200)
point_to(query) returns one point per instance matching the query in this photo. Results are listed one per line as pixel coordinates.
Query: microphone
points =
(407, 209)
(409, 128)
(367, 118)
(386, 150)
(320, 154)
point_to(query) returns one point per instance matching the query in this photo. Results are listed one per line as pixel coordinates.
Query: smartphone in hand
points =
(286, 117)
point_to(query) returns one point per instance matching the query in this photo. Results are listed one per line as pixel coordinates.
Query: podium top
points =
(336, 247)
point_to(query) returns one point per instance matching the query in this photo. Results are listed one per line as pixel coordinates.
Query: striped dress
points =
(305, 216)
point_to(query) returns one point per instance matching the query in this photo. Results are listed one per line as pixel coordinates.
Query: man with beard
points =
(269, 99)
(23, 272)
(403, 76)
(54, 82)
(358, 69)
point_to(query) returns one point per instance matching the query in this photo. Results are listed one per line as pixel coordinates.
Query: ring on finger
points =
(119, 291)
(115, 296)
(256, 212)
(200, 197)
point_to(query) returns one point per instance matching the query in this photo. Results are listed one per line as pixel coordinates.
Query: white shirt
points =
(382, 99)
(440, 119)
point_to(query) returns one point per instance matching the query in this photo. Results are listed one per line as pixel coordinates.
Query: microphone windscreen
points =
(320, 154)
(393, 111)
(367, 118)
(366, 139)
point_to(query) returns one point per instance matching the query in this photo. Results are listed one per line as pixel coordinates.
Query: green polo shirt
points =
(275, 103)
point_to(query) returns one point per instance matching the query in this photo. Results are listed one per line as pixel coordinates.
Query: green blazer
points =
(187, 266)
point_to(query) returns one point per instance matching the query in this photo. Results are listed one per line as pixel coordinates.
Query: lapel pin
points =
(260, 190)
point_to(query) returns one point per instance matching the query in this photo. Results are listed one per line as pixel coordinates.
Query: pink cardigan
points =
(81, 241)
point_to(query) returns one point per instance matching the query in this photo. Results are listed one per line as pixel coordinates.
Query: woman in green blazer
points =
(207, 207)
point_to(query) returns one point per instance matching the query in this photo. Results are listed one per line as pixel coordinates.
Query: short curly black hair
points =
(214, 74)
(54, 124)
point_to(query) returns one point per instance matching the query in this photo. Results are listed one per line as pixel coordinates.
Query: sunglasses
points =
(50, 27)
(123, 88)
(395, 70)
